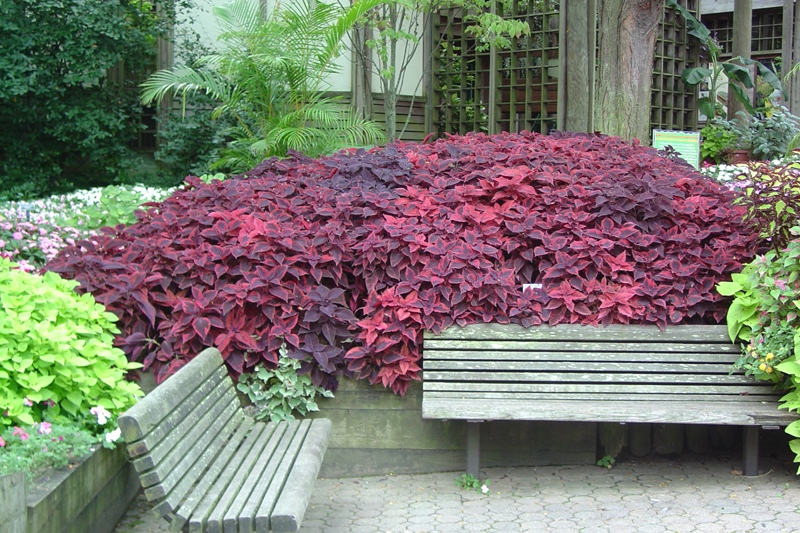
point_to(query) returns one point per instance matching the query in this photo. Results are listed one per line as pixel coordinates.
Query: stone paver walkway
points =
(703, 495)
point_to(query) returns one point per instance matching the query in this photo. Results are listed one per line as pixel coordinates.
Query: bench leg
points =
(474, 449)
(750, 450)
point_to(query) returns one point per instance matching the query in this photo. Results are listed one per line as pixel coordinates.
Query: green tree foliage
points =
(270, 79)
(62, 123)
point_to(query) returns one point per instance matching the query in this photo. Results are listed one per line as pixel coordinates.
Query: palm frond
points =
(238, 18)
(181, 81)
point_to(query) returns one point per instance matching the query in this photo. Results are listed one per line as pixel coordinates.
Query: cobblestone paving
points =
(650, 496)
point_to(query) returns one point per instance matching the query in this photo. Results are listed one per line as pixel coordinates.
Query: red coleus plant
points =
(348, 259)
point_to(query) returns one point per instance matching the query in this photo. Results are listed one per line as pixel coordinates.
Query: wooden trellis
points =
(517, 89)
(767, 32)
(674, 105)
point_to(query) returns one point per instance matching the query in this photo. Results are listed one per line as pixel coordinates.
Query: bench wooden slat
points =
(573, 332)
(222, 451)
(140, 419)
(247, 517)
(450, 349)
(186, 453)
(247, 473)
(197, 522)
(272, 481)
(255, 487)
(293, 501)
(264, 511)
(766, 395)
(192, 409)
(705, 355)
(564, 388)
(609, 411)
(172, 447)
(579, 366)
(618, 379)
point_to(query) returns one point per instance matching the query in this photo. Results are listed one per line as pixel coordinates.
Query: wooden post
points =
(493, 78)
(576, 65)
(794, 103)
(428, 77)
(786, 51)
(750, 450)
(474, 448)
(742, 41)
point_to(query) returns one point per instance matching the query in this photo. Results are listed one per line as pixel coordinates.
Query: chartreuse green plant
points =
(56, 352)
(280, 393)
(764, 313)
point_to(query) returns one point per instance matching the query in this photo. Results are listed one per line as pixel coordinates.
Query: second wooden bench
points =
(619, 373)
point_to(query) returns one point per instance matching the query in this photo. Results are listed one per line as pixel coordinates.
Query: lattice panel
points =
(527, 88)
(524, 95)
(674, 105)
(461, 77)
(767, 32)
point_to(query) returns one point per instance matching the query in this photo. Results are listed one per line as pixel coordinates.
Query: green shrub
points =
(773, 133)
(718, 142)
(56, 348)
(277, 394)
(764, 311)
(190, 144)
(771, 195)
(64, 123)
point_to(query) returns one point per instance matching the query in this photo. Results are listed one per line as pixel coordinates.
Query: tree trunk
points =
(628, 30)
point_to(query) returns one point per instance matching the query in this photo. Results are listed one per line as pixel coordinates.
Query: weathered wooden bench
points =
(209, 467)
(619, 373)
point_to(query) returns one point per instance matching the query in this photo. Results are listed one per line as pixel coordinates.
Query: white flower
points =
(113, 436)
(101, 414)
(484, 489)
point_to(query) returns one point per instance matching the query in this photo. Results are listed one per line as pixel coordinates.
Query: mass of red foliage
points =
(348, 259)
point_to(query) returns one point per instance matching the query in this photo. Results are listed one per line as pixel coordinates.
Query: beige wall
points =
(203, 23)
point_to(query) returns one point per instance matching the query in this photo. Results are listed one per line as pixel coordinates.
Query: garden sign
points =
(686, 143)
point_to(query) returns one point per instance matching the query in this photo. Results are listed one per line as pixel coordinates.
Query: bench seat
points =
(209, 467)
(579, 373)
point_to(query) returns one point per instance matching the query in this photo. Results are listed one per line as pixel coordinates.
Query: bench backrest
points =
(585, 363)
(176, 431)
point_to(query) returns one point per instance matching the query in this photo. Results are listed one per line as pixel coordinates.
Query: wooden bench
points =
(209, 467)
(619, 373)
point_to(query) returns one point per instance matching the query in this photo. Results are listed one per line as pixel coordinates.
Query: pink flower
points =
(27, 403)
(2, 443)
(19, 432)
(17, 235)
(49, 403)
(45, 428)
